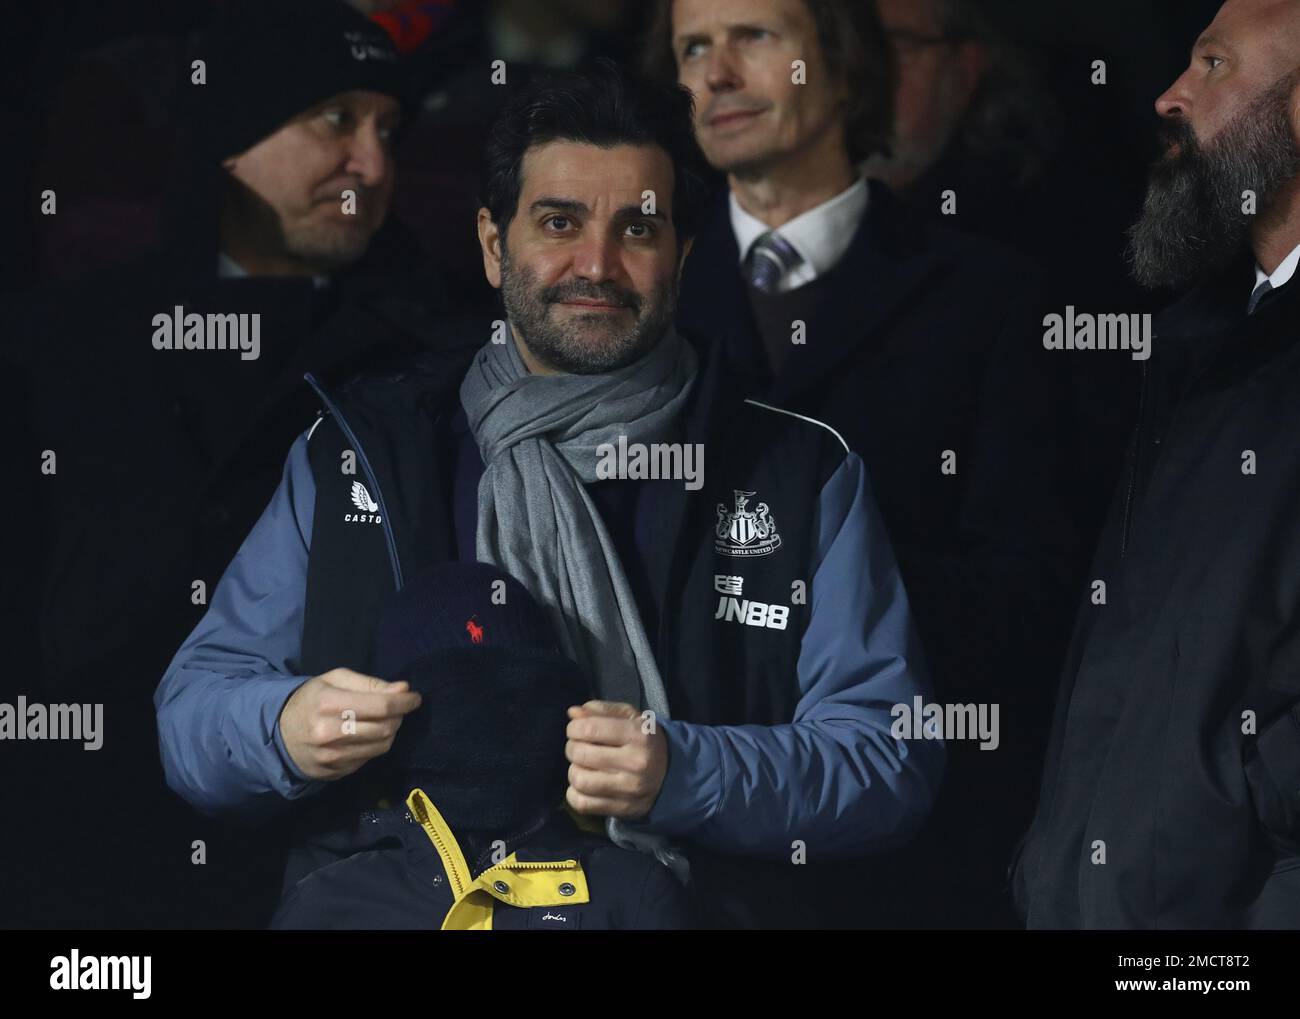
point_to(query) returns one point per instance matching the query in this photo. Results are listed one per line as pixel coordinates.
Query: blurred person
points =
(260, 224)
(827, 296)
(1171, 796)
(166, 453)
(967, 104)
(743, 625)
(978, 116)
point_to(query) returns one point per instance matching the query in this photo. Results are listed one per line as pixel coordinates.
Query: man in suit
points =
(919, 346)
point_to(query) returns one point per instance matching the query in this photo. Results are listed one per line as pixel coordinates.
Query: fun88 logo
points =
(751, 613)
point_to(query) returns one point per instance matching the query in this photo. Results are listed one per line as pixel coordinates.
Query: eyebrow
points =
(729, 29)
(570, 205)
(1210, 42)
(563, 204)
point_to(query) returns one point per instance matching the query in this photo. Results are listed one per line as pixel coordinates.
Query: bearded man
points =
(750, 746)
(1171, 792)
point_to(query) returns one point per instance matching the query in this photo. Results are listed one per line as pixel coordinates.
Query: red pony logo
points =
(475, 631)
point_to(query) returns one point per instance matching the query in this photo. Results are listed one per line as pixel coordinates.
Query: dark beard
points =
(568, 347)
(1192, 224)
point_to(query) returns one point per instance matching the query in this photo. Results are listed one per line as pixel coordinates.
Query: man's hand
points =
(334, 723)
(615, 768)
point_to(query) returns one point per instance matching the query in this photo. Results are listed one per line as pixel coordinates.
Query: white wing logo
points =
(361, 498)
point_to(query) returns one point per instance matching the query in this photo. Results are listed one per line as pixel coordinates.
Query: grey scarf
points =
(538, 435)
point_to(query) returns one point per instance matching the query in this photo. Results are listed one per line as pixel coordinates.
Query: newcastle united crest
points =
(746, 532)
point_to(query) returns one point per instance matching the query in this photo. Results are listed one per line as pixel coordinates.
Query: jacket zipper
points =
(458, 890)
(1137, 456)
(536, 865)
(370, 476)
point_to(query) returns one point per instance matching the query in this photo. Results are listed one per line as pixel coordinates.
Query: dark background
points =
(88, 87)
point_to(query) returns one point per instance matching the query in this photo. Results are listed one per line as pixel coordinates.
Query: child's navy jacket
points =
(403, 869)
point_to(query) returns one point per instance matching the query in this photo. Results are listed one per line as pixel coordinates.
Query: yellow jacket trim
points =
(521, 883)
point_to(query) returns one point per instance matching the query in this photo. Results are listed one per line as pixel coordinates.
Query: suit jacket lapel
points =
(883, 269)
(714, 309)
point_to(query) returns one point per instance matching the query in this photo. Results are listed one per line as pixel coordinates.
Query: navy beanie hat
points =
(487, 742)
(457, 606)
(266, 61)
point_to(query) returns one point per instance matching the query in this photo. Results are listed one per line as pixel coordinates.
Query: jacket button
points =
(437, 880)
(501, 887)
(567, 889)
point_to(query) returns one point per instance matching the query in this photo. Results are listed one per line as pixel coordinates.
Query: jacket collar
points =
(1209, 342)
(1212, 306)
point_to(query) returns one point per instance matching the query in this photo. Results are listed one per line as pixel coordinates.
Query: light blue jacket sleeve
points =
(219, 701)
(834, 778)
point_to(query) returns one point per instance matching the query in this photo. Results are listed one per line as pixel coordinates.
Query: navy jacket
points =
(1171, 793)
(402, 868)
(780, 742)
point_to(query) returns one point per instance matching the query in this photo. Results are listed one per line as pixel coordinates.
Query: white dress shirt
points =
(821, 235)
(1280, 276)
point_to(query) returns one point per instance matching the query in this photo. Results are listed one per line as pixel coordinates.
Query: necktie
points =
(1258, 296)
(769, 259)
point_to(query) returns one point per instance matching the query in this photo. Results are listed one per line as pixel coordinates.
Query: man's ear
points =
(489, 239)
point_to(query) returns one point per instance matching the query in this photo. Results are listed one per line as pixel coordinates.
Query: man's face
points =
(1229, 129)
(297, 177)
(936, 80)
(588, 277)
(737, 57)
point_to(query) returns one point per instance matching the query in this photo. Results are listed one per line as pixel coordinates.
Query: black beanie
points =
(487, 742)
(459, 605)
(266, 61)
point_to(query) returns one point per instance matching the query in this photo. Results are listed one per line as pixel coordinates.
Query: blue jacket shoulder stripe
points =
(801, 417)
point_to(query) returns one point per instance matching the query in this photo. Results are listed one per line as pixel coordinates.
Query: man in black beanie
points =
(299, 105)
(278, 260)
(476, 780)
